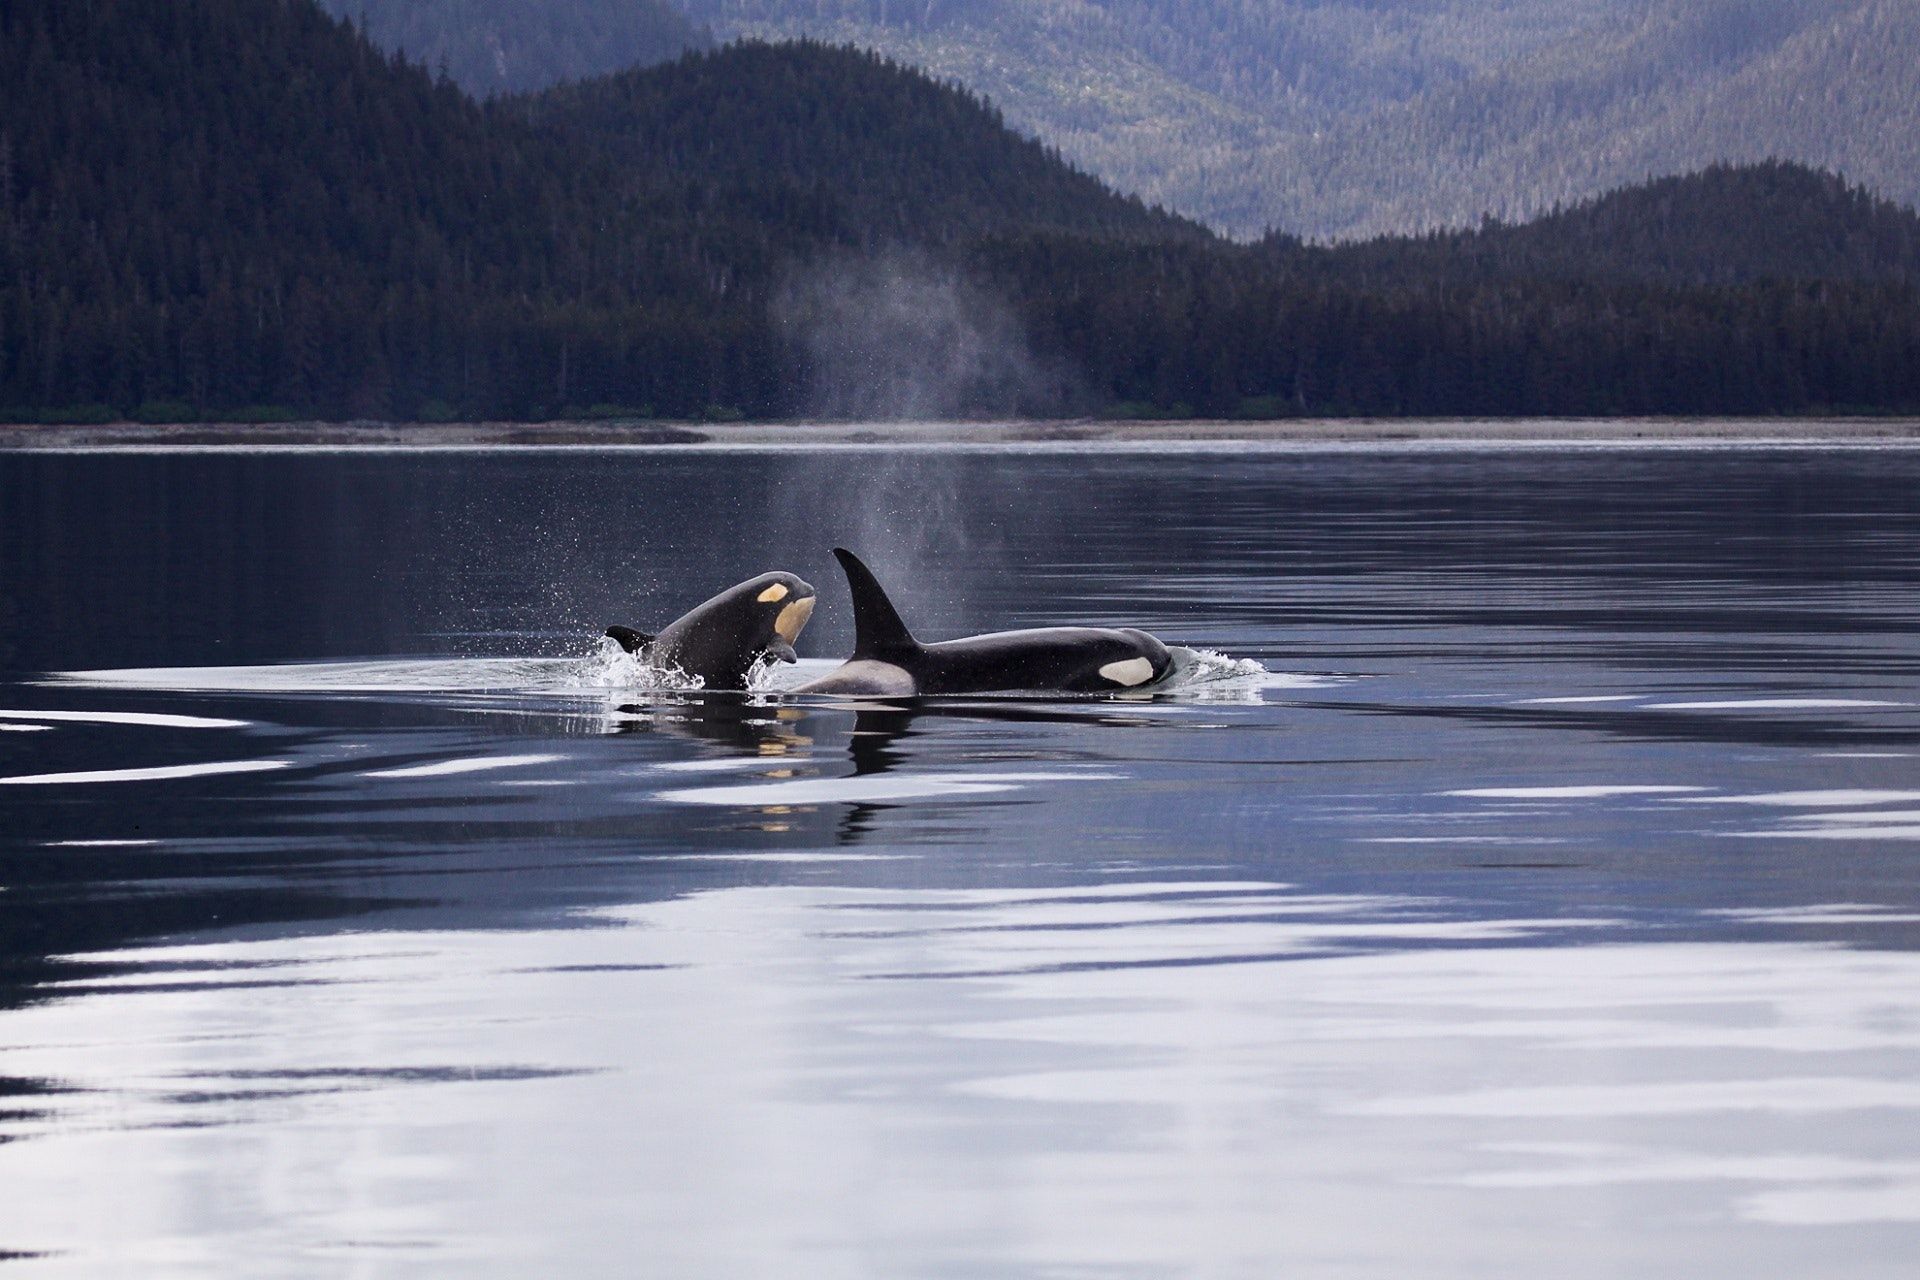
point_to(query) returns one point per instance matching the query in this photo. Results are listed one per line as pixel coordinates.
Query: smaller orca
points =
(887, 660)
(722, 641)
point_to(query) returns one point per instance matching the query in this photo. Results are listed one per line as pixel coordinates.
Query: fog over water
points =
(1518, 878)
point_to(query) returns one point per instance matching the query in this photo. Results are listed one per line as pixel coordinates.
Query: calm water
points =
(1538, 895)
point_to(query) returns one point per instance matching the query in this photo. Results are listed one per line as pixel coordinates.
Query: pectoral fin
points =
(781, 651)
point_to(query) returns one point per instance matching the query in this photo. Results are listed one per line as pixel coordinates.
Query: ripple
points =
(1835, 798)
(871, 788)
(155, 774)
(1816, 1095)
(477, 764)
(1590, 792)
(1773, 704)
(148, 718)
(1098, 1053)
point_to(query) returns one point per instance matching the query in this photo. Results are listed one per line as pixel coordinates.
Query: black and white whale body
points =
(723, 640)
(887, 661)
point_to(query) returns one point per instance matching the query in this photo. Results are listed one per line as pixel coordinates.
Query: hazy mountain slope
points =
(1173, 98)
(1844, 95)
(1708, 81)
(509, 46)
(1357, 117)
(1289, 61)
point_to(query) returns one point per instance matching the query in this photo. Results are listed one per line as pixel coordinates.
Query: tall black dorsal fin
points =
(877, 629)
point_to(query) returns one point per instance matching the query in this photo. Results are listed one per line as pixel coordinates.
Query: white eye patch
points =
(778, 591)
(1130, 672)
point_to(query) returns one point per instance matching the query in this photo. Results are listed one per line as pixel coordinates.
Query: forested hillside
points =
(222, 203)
(240, 209)
(1350, 117)
(833, 144)
(511, 46)
(1726, 225)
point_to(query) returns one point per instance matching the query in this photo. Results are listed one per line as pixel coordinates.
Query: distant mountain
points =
(836, 142)
(1835, 85)
(1354, 117)
(1173, 99)
(511, 46)
(241, 209)
(1842, 95)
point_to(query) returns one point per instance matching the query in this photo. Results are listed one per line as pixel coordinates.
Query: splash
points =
(612, 667)
(1208, 675)
(608, 669)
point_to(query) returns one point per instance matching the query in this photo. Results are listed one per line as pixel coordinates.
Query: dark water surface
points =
(1541, 899)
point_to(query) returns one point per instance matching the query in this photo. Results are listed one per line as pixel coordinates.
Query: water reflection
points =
(1164, 1076)
(1539, 904)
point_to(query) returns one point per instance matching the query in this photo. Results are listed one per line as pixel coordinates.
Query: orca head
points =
(723, 639)
(785, 604)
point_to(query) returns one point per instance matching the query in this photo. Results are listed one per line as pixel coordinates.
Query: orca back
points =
(887, 661)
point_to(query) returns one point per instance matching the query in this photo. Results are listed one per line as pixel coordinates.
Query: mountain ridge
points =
(1339, 120)
(819, 115)
(242, 209)
(491, 47)
(1795, 223)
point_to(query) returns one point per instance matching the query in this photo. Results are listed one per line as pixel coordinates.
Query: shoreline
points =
(1185, 433)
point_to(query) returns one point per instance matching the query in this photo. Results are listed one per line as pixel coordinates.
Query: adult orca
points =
(725, 639)
(887, 660)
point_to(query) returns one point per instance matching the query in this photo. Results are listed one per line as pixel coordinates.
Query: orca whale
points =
(723, 640)
(887, 660)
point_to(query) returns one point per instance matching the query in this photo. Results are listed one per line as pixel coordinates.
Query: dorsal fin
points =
(877, 629)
